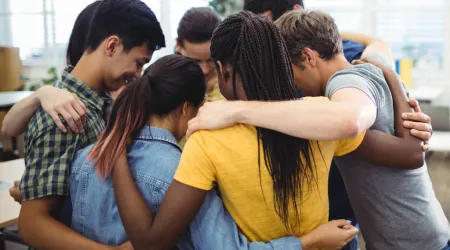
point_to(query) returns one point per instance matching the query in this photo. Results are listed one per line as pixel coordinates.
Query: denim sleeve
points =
(352, 50)
(214, 228)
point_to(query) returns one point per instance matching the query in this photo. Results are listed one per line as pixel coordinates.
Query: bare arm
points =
(403, 150)
(348, 114)
(374, 45)
(55, 102)
(36, 216)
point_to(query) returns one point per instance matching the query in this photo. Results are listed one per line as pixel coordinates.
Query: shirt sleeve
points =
(343, 81)
(348, 145)
(195, 168)
(49, 155)
(213, 214)
(352, 50)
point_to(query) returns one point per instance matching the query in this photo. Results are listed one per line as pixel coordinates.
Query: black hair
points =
(131, 20)
(197, 25)
(255, 49)
(77, 41)
(166, 84)
(278, 7)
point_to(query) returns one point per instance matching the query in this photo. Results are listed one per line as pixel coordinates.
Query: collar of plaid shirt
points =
(96, 100)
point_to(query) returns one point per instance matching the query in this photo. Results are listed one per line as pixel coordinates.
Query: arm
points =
(402, 150)
(54, 101)
(38, 228)
(44, 187)
(373, 45)
(349, 113)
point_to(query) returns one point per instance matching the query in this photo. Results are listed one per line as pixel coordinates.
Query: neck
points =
(329, 68)
(163, 122)
(89, 72)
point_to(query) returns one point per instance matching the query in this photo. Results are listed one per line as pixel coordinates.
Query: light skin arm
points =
(36, 216)
(374, 46)
(179, 207)
(342, 118)
(55, 102)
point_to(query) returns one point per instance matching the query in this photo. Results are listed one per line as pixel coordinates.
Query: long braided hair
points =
(256, 50)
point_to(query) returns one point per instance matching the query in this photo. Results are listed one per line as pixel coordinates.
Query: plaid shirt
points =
(49, 152)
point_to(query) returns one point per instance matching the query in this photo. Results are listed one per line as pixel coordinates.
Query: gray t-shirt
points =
(396, 209)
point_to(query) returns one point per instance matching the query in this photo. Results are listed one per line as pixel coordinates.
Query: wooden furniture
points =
(9, 209)
(10, 69)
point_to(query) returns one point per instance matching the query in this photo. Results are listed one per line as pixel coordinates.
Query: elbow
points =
(351, 128)
(417, 159)
(8, 130)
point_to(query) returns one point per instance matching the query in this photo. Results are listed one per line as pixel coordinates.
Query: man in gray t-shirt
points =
(396, 209)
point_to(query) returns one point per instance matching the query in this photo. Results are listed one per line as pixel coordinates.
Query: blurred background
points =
(34, 36)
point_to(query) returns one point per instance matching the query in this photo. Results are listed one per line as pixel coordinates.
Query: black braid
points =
(257, 51)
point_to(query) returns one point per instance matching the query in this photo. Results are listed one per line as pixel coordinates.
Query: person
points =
(122, 37)
(194, 39)
(393, 214)
(154, 111)
(354, 45)
(272, 184)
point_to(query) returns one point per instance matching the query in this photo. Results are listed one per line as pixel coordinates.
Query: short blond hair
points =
(309, 29)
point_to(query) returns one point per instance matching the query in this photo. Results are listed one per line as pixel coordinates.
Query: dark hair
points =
(255, 49)
(310, 29)
(278, 7)
(77, 41)
(165, 85)
(131, 20)
(197, 25)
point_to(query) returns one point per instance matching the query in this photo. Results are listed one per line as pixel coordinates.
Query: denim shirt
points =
(153, 159)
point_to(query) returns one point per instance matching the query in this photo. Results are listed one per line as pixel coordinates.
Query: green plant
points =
(226, 7)
(53, 77)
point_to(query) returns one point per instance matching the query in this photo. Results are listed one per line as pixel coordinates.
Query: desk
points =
(440, 141)
(426, 94)
(9, 209)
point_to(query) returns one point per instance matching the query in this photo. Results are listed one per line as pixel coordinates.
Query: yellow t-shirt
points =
(228, 158)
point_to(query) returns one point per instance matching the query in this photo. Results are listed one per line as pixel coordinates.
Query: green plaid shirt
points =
(49, 152)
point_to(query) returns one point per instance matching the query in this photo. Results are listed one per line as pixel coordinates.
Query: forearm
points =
(137, 217)
(19, 115)
(42, 231)
(308, 119)
(373, 45)
(389, 151)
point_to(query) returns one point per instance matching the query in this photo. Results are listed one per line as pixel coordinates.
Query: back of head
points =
(166, 85)
(256, 50)
(310, 29)
(78, 37)
(131, 20)
(278, 7)
(197, 25)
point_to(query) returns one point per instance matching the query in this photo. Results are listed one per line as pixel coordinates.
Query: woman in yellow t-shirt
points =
(272, 184)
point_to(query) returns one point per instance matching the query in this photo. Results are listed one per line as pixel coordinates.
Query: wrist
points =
(38, 94)
(308, 241)
(239, 112)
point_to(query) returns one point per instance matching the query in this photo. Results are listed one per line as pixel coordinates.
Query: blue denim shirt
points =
(153, 159)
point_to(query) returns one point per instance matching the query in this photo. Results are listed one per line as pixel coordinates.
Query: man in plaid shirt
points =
(122, 38)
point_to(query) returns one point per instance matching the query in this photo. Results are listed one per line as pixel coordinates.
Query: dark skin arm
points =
(143, 230)
(402, 151)
(39, 229)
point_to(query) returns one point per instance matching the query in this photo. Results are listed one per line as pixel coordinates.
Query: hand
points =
(332, 235)
(419, 123)
(125, 246)
(61, 102)
(14, 192)
(213, 115)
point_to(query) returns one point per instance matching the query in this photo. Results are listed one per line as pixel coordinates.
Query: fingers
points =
(340, 223)
(80, 108)
(424, 127)
(415, 105)
(16, 183)
(58, 121)
(417, 117)
(352, 232)
(422, 135)
(69, 119)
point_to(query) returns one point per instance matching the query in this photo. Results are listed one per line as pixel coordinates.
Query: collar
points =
(148, 133)
(82, 90)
